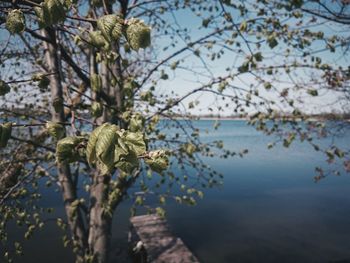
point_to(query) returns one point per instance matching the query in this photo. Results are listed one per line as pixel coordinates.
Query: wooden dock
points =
(152, 241)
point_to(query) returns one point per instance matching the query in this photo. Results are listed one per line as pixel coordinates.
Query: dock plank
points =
(160, 244)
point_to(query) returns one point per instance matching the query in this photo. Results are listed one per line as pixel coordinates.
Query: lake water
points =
(269, 208)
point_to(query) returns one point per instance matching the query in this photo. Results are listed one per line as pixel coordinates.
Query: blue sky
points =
(183, 81)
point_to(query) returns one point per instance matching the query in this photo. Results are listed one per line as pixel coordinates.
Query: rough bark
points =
(68, 189)
(100, 222)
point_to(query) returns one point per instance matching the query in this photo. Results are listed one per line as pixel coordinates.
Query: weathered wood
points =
(159, 243)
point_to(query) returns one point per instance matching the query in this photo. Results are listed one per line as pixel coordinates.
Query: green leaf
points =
(205, 22)
(43, 18)
(189, 148)
(258, 56)
(244, 67)
(157, 161)
(98, 40)
(55, 129)
(136, 141)
(4, 88)
(97, 3)
(272, 42)
(96, 109)
(125, 159)
(267, 85)
(136, 123)
(56, 11)
(339, 153)
(243, 26)
(111, 26)
(5, 134)
(67, 149)
(138, 34)
(50, 12)
(330, 154)
(90, 149)
(15, 22)
(160, 212)
(105, 146)
(57, 104)
(287, 142)
(44, 82)
(96, 83)
(296, 3)
(313, 92)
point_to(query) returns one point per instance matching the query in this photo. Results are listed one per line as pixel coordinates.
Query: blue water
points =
(269, 208)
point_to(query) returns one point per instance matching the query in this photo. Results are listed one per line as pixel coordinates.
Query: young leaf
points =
(4, 88)
(96, 109)
(157, 161)
(111, 26)
(98, 40)
(5, 134)
(138, 34)
(67, 149)
(90, 149)
(136, 141)
(105, 147)
(55, 129)
(15, 22)
(313, 92)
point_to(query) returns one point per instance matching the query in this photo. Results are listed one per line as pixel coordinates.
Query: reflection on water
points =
(268, 210)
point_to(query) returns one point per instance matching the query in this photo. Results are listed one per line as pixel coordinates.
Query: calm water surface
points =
(268, 210)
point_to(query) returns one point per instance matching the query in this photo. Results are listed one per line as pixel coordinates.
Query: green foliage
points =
(43, 81)
(137, 122)
(57, 104)
(55, 129)
(50, 12)
(96, 82)
(15, 22)
(97, 3)
(109, 147)
(313, 92)
(5, 134)
(98, 40)
(101, 146)
(160, 212)
(105, 147)
(267, 85)
(130, 146)
(243, 26)
(4, 88)
(157, 160)
(111, 27)
(271, 41)
(96, 109)
(189, 148)
(135, 140)
(287, 142)
(69, 149)
(138, 34)
(125, 157)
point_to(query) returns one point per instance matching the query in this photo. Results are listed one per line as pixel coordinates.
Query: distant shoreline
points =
(211, 118)
(312, 119)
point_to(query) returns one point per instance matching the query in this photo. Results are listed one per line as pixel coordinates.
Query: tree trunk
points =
(100, 221)
(63, 170)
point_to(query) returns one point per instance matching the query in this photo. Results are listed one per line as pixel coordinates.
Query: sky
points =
(183, 81)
